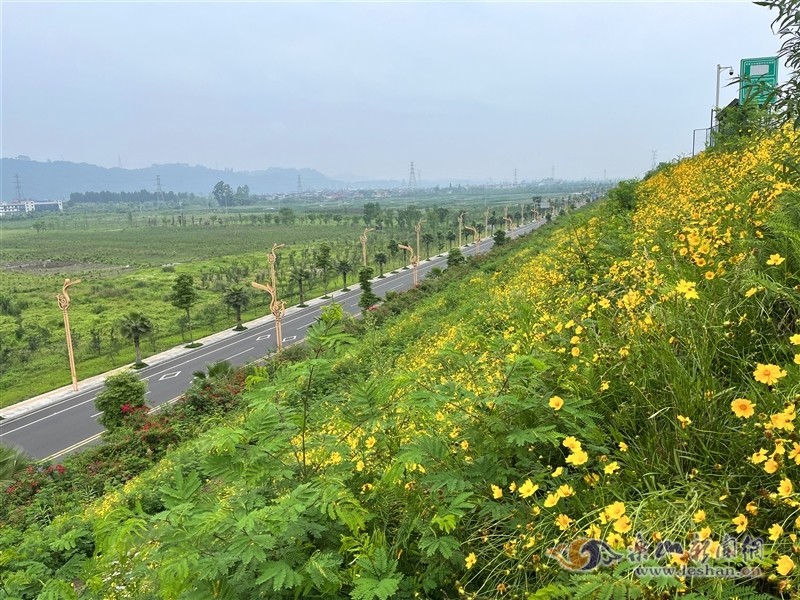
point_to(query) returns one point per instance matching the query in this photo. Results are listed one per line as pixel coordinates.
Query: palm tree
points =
(428, 239)
(324, 263)
(343, 267)
(451, 237)
(300, 275)
(133, 326)
(237, 298)
(381, 259)
(11, 463)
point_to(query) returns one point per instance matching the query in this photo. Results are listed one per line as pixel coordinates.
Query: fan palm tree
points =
(133, 326)
(381, 259)
(237, 299)
(300, 275)
(11, 463)
(344, 267)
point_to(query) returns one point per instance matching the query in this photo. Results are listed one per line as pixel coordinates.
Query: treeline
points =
(140, 197)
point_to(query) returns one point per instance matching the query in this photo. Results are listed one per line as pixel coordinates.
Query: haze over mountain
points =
(58, 179)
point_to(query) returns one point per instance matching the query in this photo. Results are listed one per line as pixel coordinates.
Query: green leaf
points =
(280, 575)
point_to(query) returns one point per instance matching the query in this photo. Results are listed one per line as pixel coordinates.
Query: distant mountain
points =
(58, 179)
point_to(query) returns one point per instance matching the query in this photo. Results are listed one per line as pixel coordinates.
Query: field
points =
(129, 260)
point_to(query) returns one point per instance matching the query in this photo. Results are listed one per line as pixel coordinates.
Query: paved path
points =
(62, 421)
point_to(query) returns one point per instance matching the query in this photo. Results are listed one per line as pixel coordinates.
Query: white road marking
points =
(238, 353)
(169, 375)
(263, 337)
(289, 338)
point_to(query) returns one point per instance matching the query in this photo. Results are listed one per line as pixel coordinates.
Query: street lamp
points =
(363, 240)
(63, 303)
(720, 69)
(476, 237)
(460, 227)
(417, 228)
(414, 263)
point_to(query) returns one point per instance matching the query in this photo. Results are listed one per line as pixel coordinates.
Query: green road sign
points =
(759, 76)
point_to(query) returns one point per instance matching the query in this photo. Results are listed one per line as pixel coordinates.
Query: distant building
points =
(25, 207)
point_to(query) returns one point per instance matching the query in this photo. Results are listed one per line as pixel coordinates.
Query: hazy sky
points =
(465, 90)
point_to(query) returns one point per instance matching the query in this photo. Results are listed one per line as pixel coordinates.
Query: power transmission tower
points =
(515, 178)
(159, 193)
(18, 185)
(412, 179)
(655, 154)
(299, 185)
(553, 172)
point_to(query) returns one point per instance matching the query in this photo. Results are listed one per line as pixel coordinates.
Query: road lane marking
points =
(238, 353)
(289, 338)
(263, 337)
(71, 448)
(169, 375)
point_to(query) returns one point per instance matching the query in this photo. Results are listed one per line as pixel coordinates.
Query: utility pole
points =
(515, 177)
(653, 166)
(159, 193)
(412, 179)
(299, 185)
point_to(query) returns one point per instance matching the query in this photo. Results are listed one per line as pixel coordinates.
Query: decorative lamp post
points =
(509, 223)
(417, 228)
(272, 260)
(486, 220)
(363, 239)
(477, 238)
(521, 215)
(414, 263)
(277, 307)
(63, 304)
(460, 227)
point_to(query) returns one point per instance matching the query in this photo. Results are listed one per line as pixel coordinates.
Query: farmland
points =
(128, 260)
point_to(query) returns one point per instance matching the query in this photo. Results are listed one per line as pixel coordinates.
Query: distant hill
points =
(58, 179)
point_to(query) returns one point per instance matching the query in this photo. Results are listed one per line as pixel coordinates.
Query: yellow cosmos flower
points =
(551, 500)
(741, 523)
(785, 565)
(752, 508)
(470, 560)
(527, 489)
(710, 275)
(623, 447)
(556, 402)
(795, 339)
(571, 443)
(576, 352)
(684, 421)
(614, 510)
(795, 453)
(785, 488)
(497, 492)
(751, 292)
(360, 466)
(687, 288)
(775, 260)
(771, 466)
(768, 374)
(775, 531)
(512, 487)
(797, 359)
(563, 522)
(611, 467)
(615, 540)
(743, 408)
(699, 516)
(370, 441)
(623, 524)
(577, 458)
(758, 457)
(557, 472)
(565, 491)
(593, 531)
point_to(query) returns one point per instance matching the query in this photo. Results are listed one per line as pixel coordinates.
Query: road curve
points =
(71, 423)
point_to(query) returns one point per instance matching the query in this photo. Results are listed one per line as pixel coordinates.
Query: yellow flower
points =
(775, 260)
(563, 522)
(785, 488)
(360, 466)
(795, 453)
(741, 523)
(709, 275)
(571, 443)
(785, 565)
(743, 408)
(527, 489)
(623, 524)
(556, 402)
(593, 531)
(795, 339)
(576, 352)
(687, 288)
(551, 500)
(768, 374)
(512, 487)
(750, 292)
(370, 441)
(752, 508)
(684, 421)
(775, 531)
(758, 457)
(565, 491)
(771, 466)
(699, 516)
(623, 447)
(615, 540)
(797, 359)
(604, 386)
(497, 492)
(614, 510)
(464, 445)
(575, 340)
(470, 560)
(611, 467)
(557, 472)
(577, 458)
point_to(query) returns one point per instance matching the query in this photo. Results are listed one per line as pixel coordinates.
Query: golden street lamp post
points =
(363, 239)
(486, 220)
(476, 237)
(277, 307)
(460, 227)
(509, 223)
(521, 215)
(272, 260)
(63, 304)
(417, 227)
(414, 263)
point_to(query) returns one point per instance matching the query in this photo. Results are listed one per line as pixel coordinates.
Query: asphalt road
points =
(71, 423)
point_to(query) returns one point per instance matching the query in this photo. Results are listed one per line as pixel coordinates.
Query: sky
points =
(359, 90)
